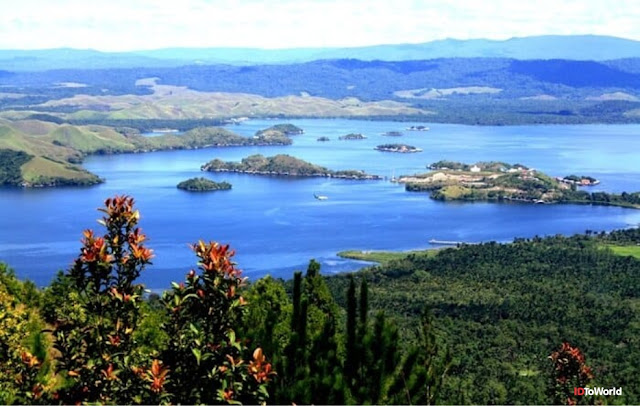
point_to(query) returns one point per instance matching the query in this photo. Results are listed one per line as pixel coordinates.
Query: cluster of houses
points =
(514, 169)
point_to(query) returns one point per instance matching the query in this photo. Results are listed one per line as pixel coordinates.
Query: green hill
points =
(54, 150)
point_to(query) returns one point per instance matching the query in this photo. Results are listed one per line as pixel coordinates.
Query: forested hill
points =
(493, 91)
(367, 80)
(500, 308)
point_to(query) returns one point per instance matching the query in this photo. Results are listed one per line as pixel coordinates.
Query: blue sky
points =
(116, 25)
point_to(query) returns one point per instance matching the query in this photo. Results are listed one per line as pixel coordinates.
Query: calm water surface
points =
(276, 225)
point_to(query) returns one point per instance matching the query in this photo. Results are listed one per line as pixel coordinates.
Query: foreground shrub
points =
(96, 326)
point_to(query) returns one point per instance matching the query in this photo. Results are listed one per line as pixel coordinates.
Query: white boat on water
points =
(320, 197)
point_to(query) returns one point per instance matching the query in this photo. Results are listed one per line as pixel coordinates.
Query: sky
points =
(124, 25)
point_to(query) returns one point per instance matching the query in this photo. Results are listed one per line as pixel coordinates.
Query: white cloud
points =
(146, 24)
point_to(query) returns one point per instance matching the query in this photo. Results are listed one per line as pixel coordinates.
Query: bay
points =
(276, 225)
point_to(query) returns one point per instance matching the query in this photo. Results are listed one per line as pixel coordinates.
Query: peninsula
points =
(17, 168)
(499, 181)
(38, 153)
(202, 185)
(282, 165)
(402, 148)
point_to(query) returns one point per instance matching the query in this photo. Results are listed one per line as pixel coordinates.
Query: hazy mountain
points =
(580, 47)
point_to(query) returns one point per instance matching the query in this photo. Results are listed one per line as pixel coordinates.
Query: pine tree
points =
(351, 348)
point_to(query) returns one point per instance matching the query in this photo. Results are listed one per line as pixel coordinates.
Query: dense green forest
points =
(10, 163)
(473, 324)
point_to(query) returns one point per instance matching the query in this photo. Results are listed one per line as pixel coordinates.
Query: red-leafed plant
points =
(569, 371)
(98, 358)
(208, 362)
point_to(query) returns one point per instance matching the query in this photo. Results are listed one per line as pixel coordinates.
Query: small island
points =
(579, 180)
(401, 148)
(283, 165)
(202, 185)
(393, 134)
(418, 128)
(352, 136)
(499, 181)
(284, 129)
(324, 139)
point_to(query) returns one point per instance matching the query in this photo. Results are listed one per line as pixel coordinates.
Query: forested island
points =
(41, 153)
(352, 136)
(499, 181)
(393, 134)
(579, 180)
(282, 165)
(401, 148)
(284, 129)
(202, 185)
(323, 139)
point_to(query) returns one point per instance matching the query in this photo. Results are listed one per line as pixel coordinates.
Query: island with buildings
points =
(499, 181)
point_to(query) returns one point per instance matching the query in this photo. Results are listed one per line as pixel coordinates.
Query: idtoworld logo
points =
(597, 391)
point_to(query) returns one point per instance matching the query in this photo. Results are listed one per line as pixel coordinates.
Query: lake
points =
(276, 225)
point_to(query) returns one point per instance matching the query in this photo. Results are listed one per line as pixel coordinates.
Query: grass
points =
(174, 102)
(383, 257)
(90, 139)
(624, 250)
(41, 170)
(454, 192)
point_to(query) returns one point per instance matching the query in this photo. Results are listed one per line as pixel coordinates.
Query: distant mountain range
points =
(578, 47)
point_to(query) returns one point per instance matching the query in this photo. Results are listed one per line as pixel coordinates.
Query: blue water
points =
(276, 225)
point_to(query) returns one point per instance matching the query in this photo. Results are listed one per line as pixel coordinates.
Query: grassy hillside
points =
(42, 171)
(54, 150)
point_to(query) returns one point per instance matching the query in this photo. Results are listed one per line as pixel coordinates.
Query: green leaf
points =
(197, 354)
